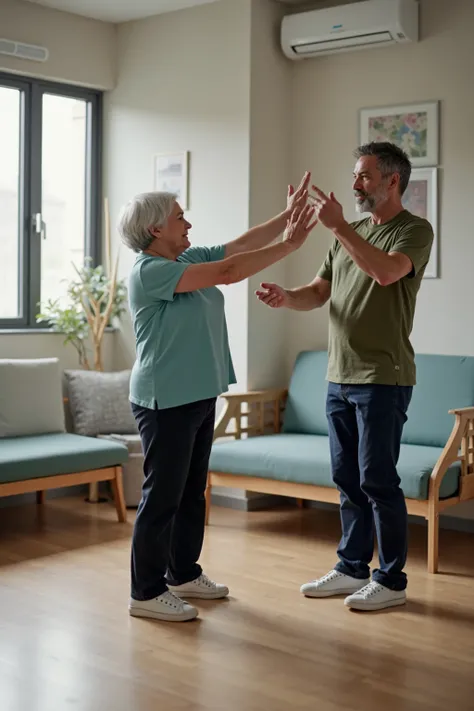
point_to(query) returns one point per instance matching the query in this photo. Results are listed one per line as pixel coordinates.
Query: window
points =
(50, 188)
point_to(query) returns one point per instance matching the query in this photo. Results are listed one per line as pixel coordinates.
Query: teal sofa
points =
(276, 441)
(37, 452)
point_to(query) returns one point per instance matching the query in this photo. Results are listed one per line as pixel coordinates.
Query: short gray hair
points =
(390, 159)
(142, 212)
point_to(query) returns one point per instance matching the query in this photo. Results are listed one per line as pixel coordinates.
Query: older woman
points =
(183, 364)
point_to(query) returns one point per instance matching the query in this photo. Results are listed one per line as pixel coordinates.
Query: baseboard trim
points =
(456, 523)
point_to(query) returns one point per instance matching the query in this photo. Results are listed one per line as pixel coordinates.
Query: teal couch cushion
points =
(304, 459)
(305, 411)
(286, 457)
(443, 383)
(52, 454)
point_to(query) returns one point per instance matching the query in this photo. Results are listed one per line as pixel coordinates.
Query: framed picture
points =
(412, 127)
(171, 175)
(421, 198)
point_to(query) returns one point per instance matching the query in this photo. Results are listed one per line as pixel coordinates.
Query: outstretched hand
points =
(299, 226)
(327, 209)
(272, 295)
(296, 199)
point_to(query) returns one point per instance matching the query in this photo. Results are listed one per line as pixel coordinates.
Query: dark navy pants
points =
(169, 528)
(365, 429)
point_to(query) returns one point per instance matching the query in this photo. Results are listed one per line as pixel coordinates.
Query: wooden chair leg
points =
(94, 492)
(208, 498)
(300, 503)
(40, 497)
(433, 540)
(119, 499)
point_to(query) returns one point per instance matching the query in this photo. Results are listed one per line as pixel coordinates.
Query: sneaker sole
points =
(185, 617)
(331, 593)
(199, 595)
(364, 607)
(335, 593)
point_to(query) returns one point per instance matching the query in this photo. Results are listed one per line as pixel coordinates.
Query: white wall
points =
(81, 51)
(50, 345)
(270, 158)
(184, 83)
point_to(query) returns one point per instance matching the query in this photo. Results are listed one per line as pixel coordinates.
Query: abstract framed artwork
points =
(171, 174)
(421, 199)
(412, 127)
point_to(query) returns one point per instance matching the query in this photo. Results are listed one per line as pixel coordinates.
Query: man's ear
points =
(395, 181)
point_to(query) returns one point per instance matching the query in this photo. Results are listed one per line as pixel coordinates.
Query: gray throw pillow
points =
(99, 402)
(31, 400)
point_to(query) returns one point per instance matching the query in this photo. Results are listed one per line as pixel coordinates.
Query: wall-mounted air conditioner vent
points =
(344, 28)
(21, 50)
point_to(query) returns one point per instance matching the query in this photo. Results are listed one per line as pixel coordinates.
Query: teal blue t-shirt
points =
(181, 339)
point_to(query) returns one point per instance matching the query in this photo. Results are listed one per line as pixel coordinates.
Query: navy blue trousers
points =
(169, 527)
(365, 429)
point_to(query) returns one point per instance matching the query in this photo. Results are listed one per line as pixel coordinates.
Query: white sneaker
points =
(167, 607)
(334, 583)
(202, 588)
(375, 597)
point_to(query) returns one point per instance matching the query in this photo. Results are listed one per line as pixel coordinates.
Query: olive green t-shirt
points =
(369, 324)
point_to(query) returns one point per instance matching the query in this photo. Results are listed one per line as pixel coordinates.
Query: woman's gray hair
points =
(142, 212)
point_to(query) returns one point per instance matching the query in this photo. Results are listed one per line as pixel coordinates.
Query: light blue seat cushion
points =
(304, 459)
(443, 383)
(52, 454)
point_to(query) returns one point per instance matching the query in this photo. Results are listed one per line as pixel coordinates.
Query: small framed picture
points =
(171, 174)
(421, 199)
(412, 127)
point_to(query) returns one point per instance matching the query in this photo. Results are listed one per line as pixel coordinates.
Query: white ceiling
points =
(124, 10)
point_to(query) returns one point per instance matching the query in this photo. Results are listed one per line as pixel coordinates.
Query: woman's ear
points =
(155, 232)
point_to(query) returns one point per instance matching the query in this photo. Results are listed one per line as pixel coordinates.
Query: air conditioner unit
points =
(20, 50)
(371, 23)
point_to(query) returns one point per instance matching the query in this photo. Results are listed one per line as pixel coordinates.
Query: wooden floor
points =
(67, 642)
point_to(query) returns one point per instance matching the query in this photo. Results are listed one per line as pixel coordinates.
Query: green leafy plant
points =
(96, 299)
(71, 322)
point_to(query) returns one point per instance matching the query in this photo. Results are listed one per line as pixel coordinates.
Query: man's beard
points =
(368, 203)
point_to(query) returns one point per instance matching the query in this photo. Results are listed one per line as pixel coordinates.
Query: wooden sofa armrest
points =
(463, 412)
(459, 448)
(251, 411)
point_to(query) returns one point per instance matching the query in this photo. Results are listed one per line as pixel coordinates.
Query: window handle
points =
(39, 226)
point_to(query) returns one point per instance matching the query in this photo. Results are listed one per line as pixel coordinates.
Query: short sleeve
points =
(325, 271)
(198, 255)
(159, 277)
(415, 242)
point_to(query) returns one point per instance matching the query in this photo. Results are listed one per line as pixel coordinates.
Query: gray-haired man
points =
(371, 277)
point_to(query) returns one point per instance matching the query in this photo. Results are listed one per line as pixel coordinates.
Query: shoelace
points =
(205, 581)
(172, 600)
(329, 576)
(371, 589)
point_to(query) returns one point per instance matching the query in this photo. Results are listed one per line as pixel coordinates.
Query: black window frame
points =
(30, 198)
